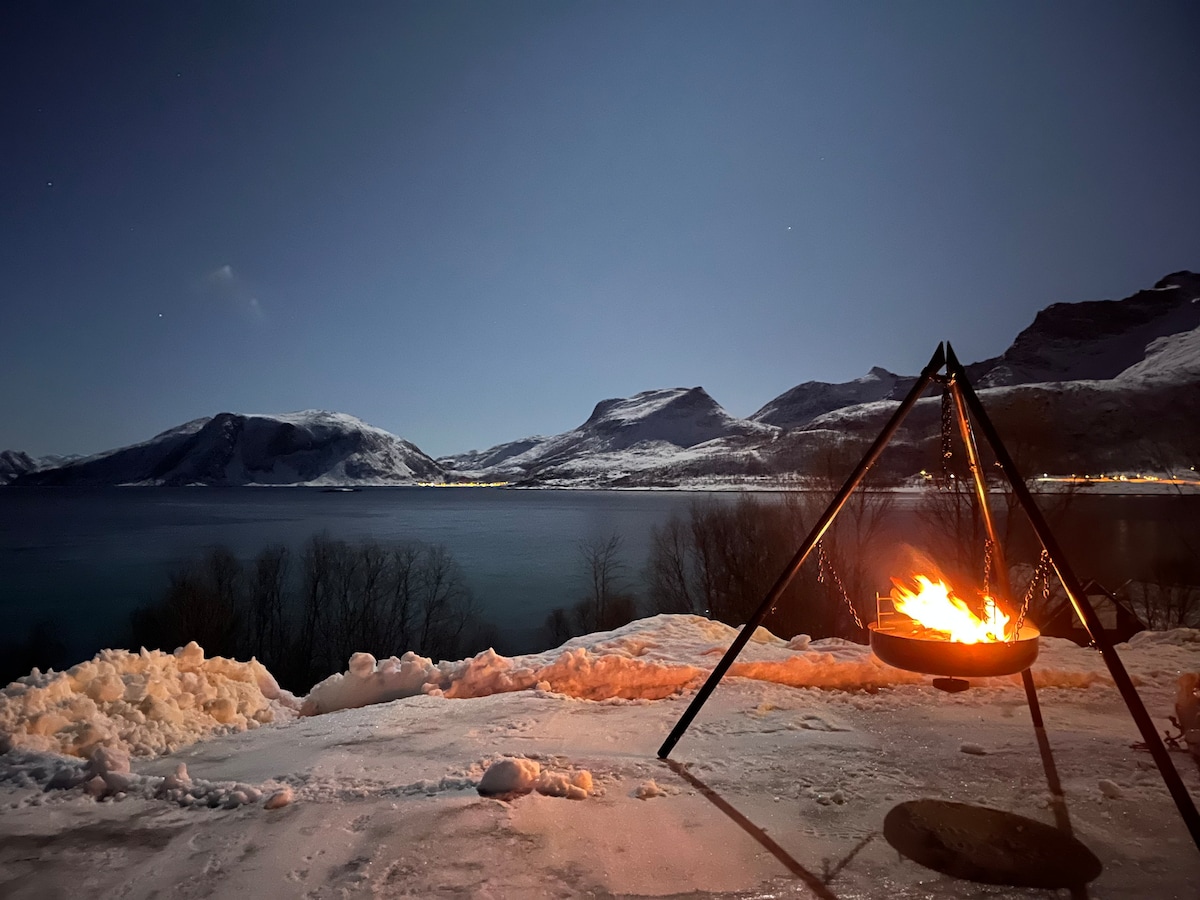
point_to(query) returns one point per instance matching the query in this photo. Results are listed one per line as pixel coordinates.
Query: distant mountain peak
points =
(307, 447)
(647, 404)
(622, 434)
(805, 402)
(878, 373)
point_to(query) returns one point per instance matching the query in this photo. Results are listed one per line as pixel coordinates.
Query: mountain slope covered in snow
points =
(633, 434)
(14, 463)
(1103, 384)
(311, 447)
(1098, 339)
(1097, 384)
(800, 405)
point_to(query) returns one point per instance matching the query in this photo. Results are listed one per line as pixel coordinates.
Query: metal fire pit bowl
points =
(940, 657)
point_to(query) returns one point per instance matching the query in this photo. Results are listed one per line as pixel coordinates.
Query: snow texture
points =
(143, 704)
(800, 405)
(806, 744)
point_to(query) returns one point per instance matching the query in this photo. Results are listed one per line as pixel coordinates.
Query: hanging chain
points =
(947, 423)
(1041, 573)
(827, 574)
(987, 568)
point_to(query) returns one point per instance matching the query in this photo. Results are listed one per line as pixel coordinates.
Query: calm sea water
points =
(82, 559)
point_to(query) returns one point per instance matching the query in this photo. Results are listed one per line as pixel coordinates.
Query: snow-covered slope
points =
(1171, 359)
(1094, 385)
(476, 460)
(14, 463)
(310, 447)
(1125, 424)
(1097, 340)
(646, 431)
(1109, 382)
(18, 462)
(800, 405)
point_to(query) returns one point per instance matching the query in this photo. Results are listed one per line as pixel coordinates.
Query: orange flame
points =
(934, 605)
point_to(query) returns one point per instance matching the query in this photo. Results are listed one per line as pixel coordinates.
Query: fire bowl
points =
(941, 657)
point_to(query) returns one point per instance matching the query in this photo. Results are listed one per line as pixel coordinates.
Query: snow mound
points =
(519, 775)
(142, 704)
(666, 654)
(149, 703)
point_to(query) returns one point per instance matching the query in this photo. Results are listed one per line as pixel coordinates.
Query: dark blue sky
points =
(468, 222)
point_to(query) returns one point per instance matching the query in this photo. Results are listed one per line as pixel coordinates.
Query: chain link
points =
(827, 574)
(1042, 573)
(947, 423)
(987, 567)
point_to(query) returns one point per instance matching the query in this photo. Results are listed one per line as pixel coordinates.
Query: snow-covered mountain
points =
(310, 447)
(633, 434)
(1173, 359)
(1099, 339)
(18, 462)
(493, 457)
(14, 463)
(1093, 384)
(1109, 382)
(800, 405)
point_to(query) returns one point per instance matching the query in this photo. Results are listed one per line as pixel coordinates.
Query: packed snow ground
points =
(173, 775)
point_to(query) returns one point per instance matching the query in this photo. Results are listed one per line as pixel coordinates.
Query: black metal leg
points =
(1075, 593)
(823, 523)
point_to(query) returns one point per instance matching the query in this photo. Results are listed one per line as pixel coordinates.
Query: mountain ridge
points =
(1075, 364)
(311, 447)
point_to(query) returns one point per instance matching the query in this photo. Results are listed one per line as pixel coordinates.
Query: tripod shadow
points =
(993, 846)
(816, 884)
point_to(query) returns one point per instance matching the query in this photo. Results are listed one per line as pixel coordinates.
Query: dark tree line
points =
(303, 618)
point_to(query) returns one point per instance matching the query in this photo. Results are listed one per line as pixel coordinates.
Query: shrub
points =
(346, 598)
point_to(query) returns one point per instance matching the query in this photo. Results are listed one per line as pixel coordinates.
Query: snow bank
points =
(141, 704)
(663, 655)
(151, 703)
(644, 660)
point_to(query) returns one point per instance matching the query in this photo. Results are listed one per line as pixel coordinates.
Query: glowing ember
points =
(935, 606)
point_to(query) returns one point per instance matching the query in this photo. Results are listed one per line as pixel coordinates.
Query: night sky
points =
(468, 222)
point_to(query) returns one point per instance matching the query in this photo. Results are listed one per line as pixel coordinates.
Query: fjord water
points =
(82, 559)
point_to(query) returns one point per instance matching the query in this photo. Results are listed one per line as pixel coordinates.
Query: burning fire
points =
(935, 606)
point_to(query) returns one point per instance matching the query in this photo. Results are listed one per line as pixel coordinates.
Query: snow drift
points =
(150, 703)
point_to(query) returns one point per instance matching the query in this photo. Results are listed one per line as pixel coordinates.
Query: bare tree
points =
(202, 604)
(444, 602)
(723, 558)
(607, 602)
(1166, 600)
(557, 626)
(348, 598)
(268, 637)
(670, 576)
